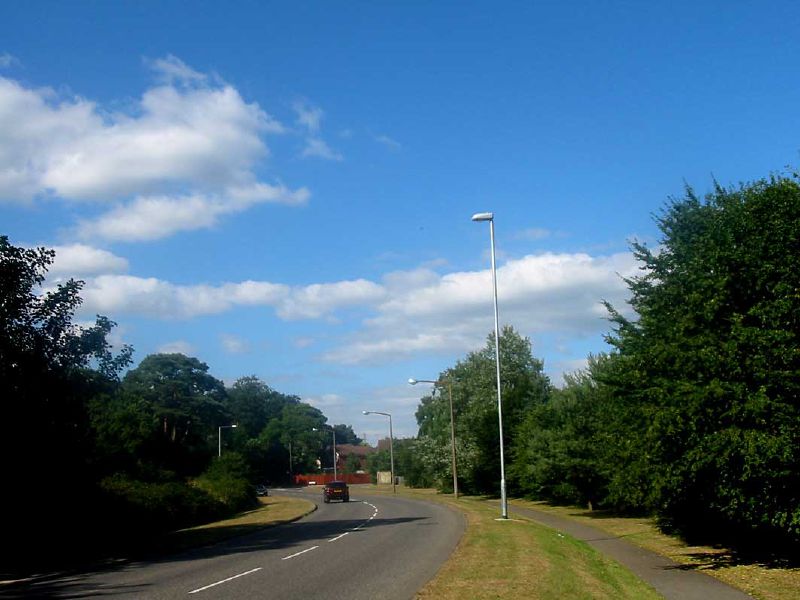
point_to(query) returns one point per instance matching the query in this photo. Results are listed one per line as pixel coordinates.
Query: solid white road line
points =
(226, 580)
(299, 553)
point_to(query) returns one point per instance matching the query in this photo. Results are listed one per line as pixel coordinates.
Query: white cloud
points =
(534, 233)
(308, 116)
(184, 155)
(115, 294)
(537, 294)
(7, 60)
(155, 217)
(316, 147)
(77, 260)
(325, 401)
(172, 69)
(409, 313)
(303, 342)
(234, 345)
(177, 347)
(388, 142)
(319, 299)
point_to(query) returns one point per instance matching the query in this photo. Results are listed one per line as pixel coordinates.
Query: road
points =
(372, 547)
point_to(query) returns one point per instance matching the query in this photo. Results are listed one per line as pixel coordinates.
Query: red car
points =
(336, 490)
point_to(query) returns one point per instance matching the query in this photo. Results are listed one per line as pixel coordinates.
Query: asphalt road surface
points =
(372, 547)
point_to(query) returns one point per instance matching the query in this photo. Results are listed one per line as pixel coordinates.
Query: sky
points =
(286, 189)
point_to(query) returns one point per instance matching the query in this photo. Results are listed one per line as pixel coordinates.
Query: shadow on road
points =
(249, 538)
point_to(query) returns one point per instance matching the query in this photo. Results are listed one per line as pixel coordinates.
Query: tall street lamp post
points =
(480, 217)
(219, 437)
(449, 385)
(333, 431)
(391, 446)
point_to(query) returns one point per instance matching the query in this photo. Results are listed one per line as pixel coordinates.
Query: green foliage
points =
(473, 382)
(712, 366)
(227, 481)
(140, 508)
(563, 447)
(188, 404)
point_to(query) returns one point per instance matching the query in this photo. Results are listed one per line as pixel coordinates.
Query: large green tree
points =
(711, 367)
(474, 389)
(50, 368)
(188, 403)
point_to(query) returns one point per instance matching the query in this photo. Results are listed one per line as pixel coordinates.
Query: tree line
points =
(694, 414)
(110, 457)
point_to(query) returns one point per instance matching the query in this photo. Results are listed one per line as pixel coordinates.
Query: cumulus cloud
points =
(234, 345)
(316, 147)
(152, 297)
(406, 314)
(184, 155)
(177, 347)
(7, 60)
(309, 118)
(77, 260)
(538, 294)
(388, 142)
(155, 217)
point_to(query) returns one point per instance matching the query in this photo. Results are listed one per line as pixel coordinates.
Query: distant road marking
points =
(341, 535)
(299, 553)
(226, 580)
(365, 523)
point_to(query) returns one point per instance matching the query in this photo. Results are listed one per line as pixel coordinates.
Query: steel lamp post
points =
(333, 431)
(391, 444)
(481, 217)
(219, 437)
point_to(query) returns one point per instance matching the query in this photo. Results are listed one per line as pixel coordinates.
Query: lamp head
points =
(366, 412)
(413, 381)
(484, 216)
(234, 426)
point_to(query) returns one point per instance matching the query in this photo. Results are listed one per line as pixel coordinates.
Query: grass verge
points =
(762, 578)
(518, 558)
(273, 510)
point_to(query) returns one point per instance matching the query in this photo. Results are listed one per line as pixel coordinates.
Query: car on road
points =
(336, 490)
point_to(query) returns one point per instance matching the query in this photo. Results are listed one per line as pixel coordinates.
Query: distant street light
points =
(333, 431)
(480, 217)
(449, 385)
(391, 446)
(219, 437)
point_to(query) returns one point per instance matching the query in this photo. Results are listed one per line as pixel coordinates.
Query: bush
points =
(226, 482)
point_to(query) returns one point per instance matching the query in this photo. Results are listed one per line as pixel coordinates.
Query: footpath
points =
(670, 579)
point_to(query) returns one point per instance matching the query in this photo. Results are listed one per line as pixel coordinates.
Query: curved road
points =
(371, 547)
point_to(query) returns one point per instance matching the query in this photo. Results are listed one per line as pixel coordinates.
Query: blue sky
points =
(285, 189)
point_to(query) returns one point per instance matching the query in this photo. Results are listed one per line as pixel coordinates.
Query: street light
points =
(333, 431)
(480, 217)
(449, 385)
(219, 437)
(391, 447)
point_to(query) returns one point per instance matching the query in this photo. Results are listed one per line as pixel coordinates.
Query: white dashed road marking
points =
(225, 580)
(299, 553)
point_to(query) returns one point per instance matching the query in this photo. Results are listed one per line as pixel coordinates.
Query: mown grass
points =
(273, 510)
(517, 558)
(764, 578)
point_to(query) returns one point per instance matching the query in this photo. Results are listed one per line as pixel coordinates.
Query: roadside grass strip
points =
(762, 578)
(521, 559)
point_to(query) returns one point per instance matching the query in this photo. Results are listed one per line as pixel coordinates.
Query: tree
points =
(563, 448)
(188, 403)
(49, 370)
(473, 382)
(712, 365)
